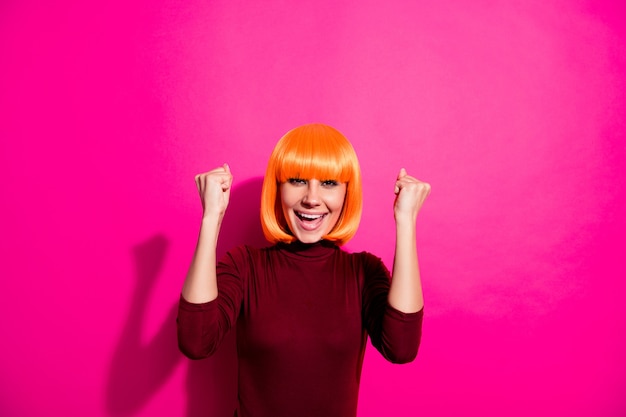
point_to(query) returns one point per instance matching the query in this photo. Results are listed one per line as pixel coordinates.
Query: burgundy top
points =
(303, 313)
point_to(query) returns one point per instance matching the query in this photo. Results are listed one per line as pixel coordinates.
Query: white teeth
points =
(310, 216)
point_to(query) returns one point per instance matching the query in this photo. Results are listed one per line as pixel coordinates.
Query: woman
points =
(304, 308)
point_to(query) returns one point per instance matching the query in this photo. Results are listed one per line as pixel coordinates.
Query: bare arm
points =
(214, 188)
(405, 293)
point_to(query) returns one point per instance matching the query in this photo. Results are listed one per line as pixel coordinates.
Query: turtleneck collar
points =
(311, 251)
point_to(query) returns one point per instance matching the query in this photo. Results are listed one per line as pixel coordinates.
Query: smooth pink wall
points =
(513, 111)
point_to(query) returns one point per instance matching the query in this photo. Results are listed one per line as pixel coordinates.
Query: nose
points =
(312, 197)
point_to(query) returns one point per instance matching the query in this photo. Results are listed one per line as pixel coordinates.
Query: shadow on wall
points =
(139, 369)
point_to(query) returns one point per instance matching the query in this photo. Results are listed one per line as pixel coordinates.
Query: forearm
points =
(405, 293)
(201, 282)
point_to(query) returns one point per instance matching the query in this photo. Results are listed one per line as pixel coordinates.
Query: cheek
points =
(285, 199)
(338, 206)
(341, 199)
(284, 205)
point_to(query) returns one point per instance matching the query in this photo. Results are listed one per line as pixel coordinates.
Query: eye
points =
(330, 183)
(296, 181)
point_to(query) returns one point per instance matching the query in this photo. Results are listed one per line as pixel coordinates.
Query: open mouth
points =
(309, 217)
(310, 222)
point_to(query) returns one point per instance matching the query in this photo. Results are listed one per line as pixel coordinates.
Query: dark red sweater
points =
(303, 314)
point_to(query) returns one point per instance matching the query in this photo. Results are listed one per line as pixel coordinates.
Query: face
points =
(312, 207)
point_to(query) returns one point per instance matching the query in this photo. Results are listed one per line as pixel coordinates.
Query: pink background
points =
(513, 111)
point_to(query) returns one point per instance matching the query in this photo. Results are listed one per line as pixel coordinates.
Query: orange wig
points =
(306, 152)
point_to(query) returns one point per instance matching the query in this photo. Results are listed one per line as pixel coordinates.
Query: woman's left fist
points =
(410, 195)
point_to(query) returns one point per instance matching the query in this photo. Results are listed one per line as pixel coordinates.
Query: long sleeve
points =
(196, 326)
(202, 327)
(396, 335)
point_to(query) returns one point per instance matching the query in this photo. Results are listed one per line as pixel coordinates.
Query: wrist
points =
(211, 223)
(405, 219)
(209, 216)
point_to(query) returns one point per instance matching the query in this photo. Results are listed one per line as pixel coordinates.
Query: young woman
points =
(303, 308)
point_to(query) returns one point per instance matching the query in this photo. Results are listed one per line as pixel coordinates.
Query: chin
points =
(308, 237)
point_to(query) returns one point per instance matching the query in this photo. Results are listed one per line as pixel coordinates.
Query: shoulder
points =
(245, 254)
(365, 261)
(364, 257)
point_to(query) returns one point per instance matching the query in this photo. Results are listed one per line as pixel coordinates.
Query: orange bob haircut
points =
(306, 152)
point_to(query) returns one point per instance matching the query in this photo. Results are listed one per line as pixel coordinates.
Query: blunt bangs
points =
(315, 151)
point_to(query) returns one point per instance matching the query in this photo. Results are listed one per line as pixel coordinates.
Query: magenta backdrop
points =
(514, 111)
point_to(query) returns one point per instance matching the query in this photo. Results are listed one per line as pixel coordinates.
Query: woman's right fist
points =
(214, 189)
